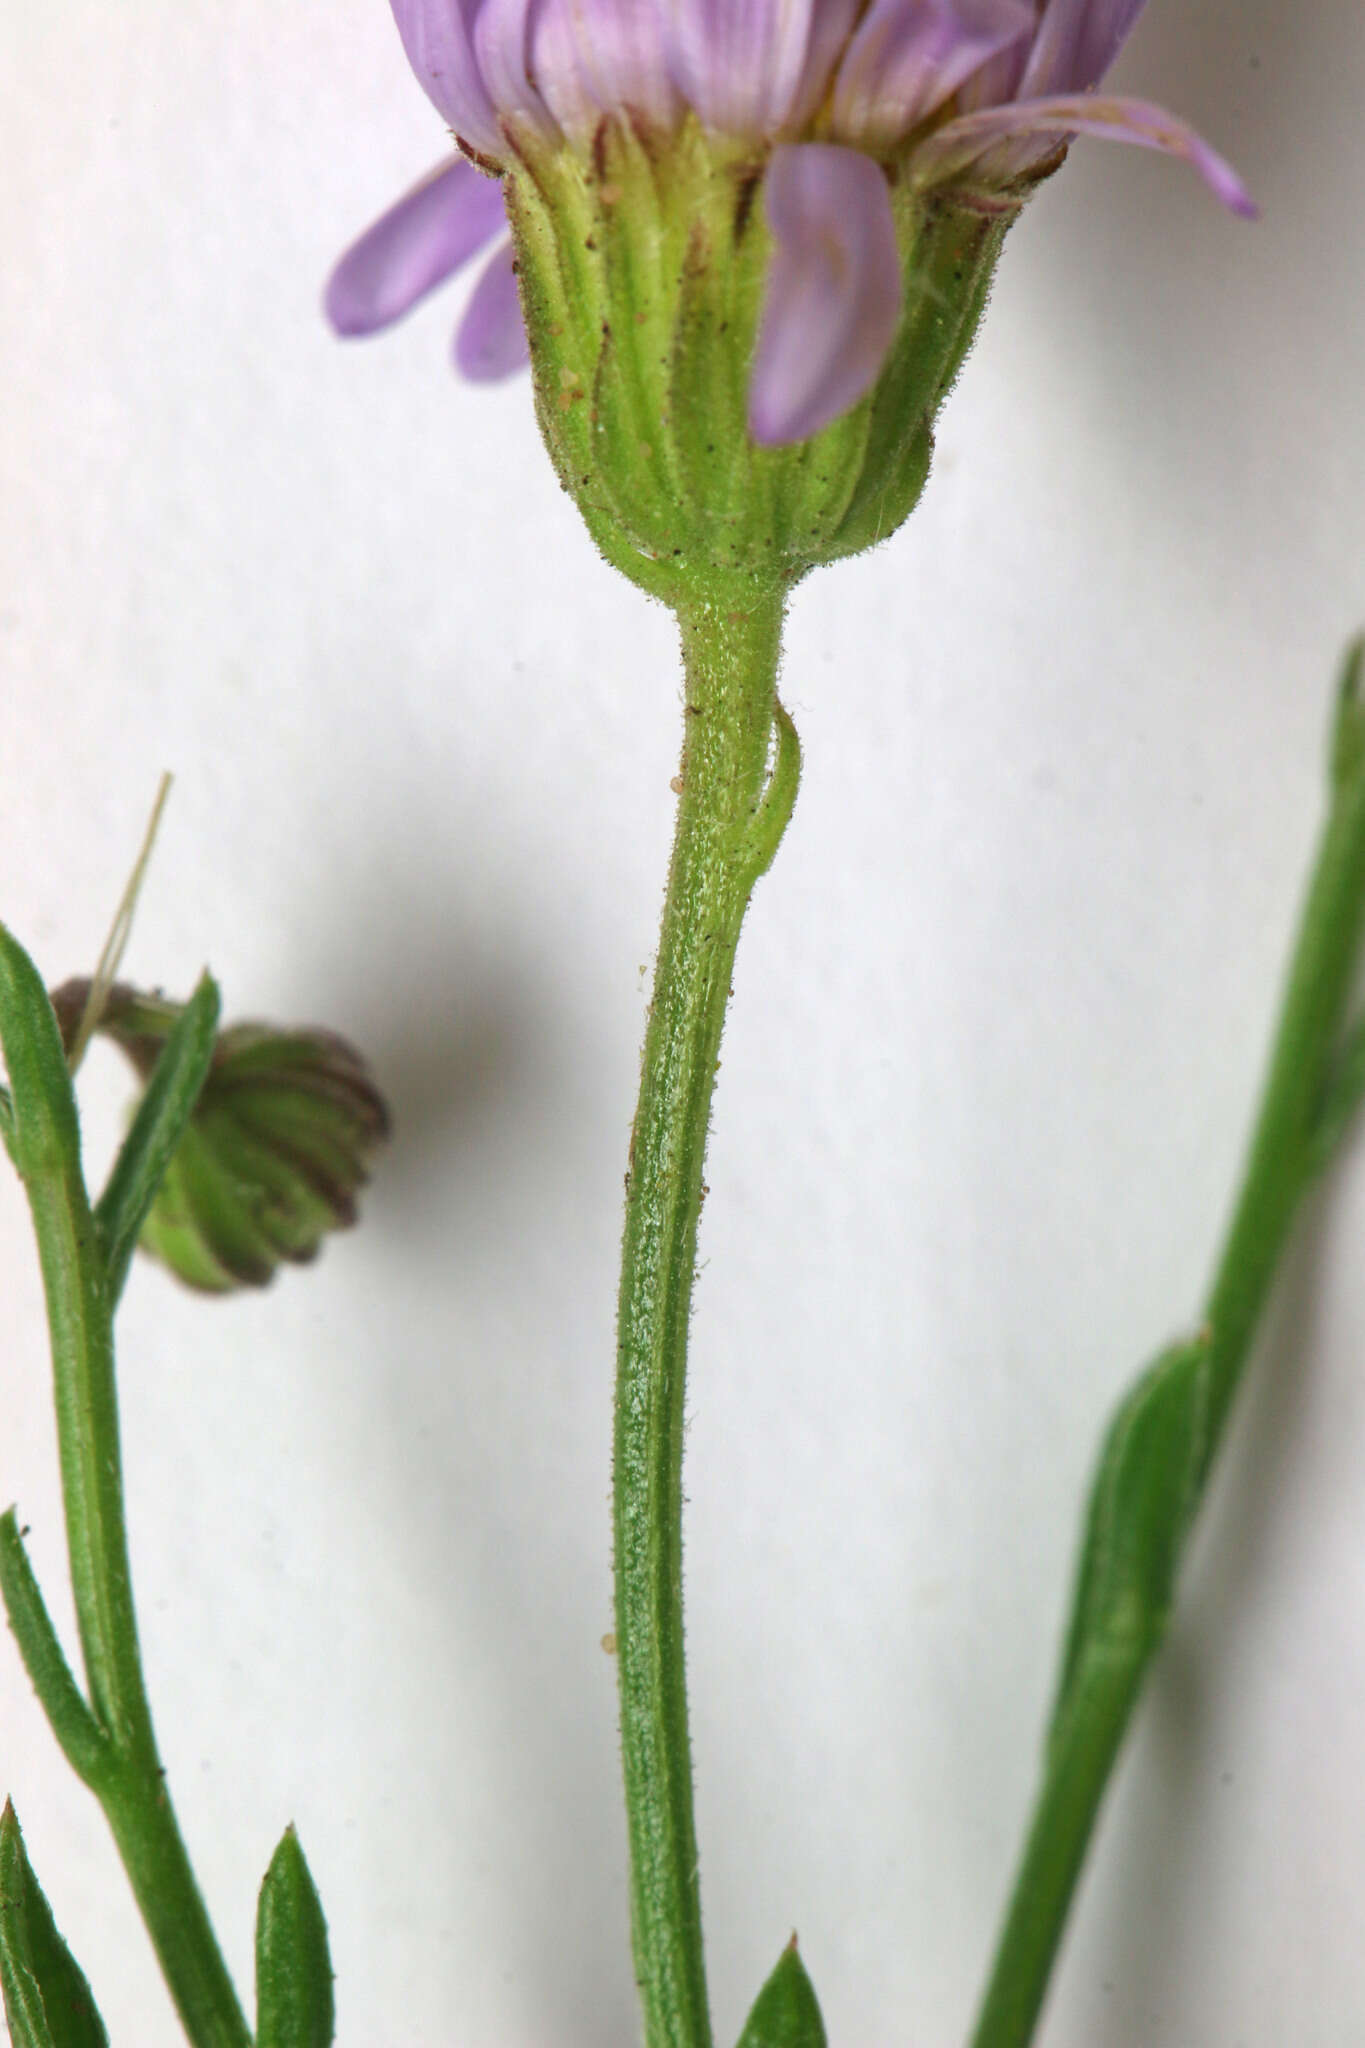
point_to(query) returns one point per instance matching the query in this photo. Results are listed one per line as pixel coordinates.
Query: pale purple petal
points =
(987, 139)
(502, 43)
(831, 26)
(751, 67)
(412, 248)
(1077, 42)
(491, 340)
(438, 40)
(996, 81)
(592, 56)
(909, 56)
(834, 290)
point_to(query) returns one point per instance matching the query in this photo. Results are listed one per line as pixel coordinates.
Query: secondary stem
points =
(142, 1820)
(129, 1782)
(111, 1743)
(1078, 1769)
(1279, 1168)
(730, 817)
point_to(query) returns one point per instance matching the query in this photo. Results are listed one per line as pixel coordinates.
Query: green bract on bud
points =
(276, 1149)
(643, 273)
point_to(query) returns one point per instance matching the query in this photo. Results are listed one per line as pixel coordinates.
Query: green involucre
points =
(642, 274)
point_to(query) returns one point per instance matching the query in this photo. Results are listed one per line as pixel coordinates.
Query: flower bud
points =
(275, 1152)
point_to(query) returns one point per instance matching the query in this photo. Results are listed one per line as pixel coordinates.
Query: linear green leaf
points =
(48, 2003)
(1140, 1502)
(161, 1120)
(786, 2013)
(1346, 749)
(294, 2000)
(83, 1742)
(774, 811)
(41, 1109)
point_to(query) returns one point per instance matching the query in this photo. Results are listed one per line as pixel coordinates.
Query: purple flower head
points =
(977, 96)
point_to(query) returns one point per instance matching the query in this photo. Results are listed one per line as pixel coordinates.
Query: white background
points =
(1000, 1015)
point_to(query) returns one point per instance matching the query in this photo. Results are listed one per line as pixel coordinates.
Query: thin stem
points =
(731, 814)
(137, 1806)
(123, 1769)
(132, 1791)
(82, 1345)
(1079, 1763)
(1285, 1151)
(1282, 1150)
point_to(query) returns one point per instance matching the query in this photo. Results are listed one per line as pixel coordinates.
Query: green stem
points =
(131, 1784)
(131, 1788)
(1079, 1763)
(137, 1806)
(114, 1746)
(1283, 1146)
(731, 814)
(82, 1740)
(1299, 1106)
(82, 1344)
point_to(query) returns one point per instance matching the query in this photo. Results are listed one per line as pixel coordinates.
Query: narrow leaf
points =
(161, 1120)
(44, 1128)
(1347, 748)
(1139, 1511)
(47, 2000)
(785, 2013)
(294, 2003)
(774, 812)
(83, 1742)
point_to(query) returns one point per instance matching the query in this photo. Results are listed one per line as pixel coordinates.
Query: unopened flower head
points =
(842, 126)
(275, 1153)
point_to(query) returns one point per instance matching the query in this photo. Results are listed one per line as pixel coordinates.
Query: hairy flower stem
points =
(733, 805)
(1155, 1481)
